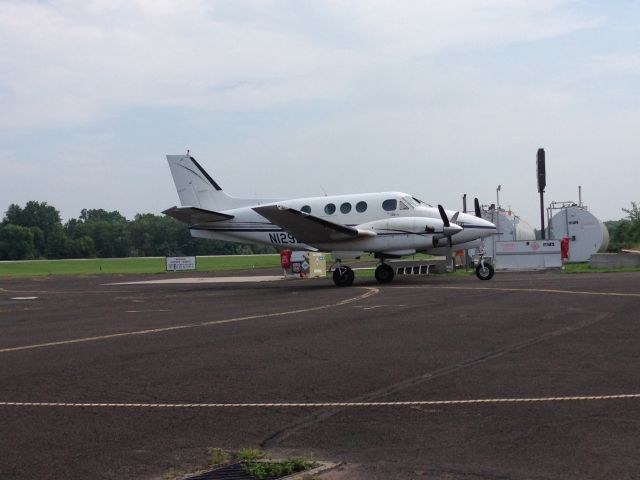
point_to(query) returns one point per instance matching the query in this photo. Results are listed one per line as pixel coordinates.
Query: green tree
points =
(633, 213)
(626, 233)
(100, 233)
(16, 243)
(58, 244)
(154, 235)
(35, 214)
(107, 230)
(83, 247)
(93, 215)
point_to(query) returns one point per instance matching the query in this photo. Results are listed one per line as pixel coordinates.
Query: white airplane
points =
(387, 224)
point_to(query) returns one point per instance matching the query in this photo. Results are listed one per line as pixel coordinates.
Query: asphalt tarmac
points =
(144, 358)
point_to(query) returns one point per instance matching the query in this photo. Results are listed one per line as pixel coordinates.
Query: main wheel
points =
(484, 271)
(384, 273)
(343, 276)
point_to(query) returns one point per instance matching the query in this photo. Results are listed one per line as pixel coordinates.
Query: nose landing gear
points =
(484, 270)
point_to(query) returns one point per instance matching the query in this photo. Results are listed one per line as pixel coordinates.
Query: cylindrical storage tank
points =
(587, 234)
(510, 227)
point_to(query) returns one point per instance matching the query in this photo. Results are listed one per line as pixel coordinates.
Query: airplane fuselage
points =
(395, 220)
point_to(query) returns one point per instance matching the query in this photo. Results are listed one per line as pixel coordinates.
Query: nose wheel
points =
(484, 271)
(343, 276)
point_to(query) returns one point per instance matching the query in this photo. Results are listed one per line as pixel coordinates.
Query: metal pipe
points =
(542, 213)
(580, 195)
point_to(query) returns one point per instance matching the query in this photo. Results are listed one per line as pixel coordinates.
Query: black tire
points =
(486, 272)
(384, 273)
(343, 276)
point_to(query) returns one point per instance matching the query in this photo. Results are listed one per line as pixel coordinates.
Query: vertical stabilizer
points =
(196, 188)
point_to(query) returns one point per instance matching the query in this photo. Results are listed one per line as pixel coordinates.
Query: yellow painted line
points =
(535, 290)
(370, 291)
(417, 403)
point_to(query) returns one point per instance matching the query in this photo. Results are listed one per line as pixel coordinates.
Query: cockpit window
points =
(410, 201)
(420, 202)
(403, 206)
(390, 205)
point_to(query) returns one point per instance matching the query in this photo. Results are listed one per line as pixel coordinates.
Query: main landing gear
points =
(384, 273)
(343, 276)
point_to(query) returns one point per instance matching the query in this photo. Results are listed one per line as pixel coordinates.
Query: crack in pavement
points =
(327, 413)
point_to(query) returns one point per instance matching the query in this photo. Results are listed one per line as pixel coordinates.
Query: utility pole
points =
(542, 183)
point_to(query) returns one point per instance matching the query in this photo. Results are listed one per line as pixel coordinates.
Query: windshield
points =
(417, 201)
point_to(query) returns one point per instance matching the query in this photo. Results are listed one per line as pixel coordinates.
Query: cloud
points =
(72, 62)
(617, 63)
(429, 97)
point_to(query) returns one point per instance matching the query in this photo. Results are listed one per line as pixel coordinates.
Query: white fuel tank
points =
(587, 234)
(510, 227)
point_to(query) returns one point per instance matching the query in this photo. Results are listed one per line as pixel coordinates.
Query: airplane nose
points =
(491, 228)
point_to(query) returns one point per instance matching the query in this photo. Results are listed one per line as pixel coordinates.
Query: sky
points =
(295, 98)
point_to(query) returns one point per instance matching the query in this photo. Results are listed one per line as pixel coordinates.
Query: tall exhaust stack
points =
(542, 183)
(580, 195)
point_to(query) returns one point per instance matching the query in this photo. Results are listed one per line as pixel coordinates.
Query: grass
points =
(173, 475)
(253, 461)
(250, 454)
(217, 456)
(264, 469)
(94, 266)
(586, 268)
(142, 265)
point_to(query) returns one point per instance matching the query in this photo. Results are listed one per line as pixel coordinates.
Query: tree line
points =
(625, 233)
(36, 231)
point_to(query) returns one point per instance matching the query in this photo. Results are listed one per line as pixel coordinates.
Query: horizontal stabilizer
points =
(307, 228)
(196, 216)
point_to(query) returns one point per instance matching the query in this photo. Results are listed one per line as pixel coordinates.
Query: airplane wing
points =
(196, 216)
(307, 228)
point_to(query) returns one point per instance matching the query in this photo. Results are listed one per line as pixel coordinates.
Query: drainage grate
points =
(229, 472)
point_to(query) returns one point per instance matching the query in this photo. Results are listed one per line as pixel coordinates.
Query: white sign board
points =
(181, 263)
(528, 254)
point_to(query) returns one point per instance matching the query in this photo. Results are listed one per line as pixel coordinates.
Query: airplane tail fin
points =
(196, 188)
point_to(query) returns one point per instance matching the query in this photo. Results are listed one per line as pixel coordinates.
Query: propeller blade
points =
(454, 219)
(443, 215)
(476, 204)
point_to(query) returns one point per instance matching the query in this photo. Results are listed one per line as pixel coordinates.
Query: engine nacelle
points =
(405, 224)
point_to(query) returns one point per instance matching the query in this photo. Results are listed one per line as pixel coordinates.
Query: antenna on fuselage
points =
(323, 191)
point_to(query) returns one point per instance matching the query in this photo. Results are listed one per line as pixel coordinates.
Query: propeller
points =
(443, 215)
(450, 227)
(476, 204)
